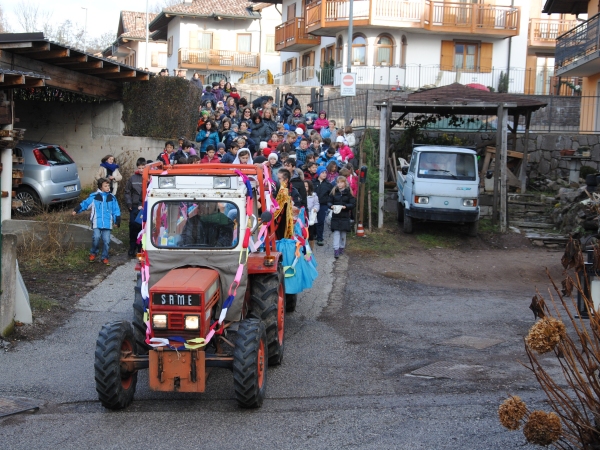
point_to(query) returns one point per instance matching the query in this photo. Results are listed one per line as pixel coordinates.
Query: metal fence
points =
(410, 77)
(563, 114)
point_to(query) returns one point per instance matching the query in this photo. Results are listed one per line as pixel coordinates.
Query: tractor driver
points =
(209, 228)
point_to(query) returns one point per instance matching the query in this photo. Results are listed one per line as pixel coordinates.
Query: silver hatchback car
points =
(49, 176)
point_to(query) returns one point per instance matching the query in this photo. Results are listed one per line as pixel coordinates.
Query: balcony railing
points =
(577, 42)
(431, 15)
(218, 60)
(544, 32)
(292, 36)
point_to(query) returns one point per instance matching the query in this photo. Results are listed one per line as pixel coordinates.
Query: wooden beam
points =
(35, 47)
(14, 79)
(141, 77)
(109, 69)
(8, 45)
(52, 54)
(86, 65)
(69, 60)
(62, 78)
(121, 74)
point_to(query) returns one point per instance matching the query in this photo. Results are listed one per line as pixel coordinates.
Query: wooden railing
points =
(222, 59)
(433, 15)
(546, 31)
(292, 32)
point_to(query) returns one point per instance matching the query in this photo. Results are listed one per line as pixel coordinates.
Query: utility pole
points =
(147, 33)
(347, 111)
(85, 30)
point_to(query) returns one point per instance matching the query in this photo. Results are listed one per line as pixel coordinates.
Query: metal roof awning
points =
(66, 67)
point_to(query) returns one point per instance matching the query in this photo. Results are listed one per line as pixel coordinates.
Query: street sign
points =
(348, 85)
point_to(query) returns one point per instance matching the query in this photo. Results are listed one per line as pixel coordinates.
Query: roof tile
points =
(208, 7)
(134, 24)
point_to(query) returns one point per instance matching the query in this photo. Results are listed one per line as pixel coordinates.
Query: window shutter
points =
(294, 63)
(485, 57)
(323, 57)
(283, 67)
(447, 56)
(194, 39)
(154, 59)
(216, 41)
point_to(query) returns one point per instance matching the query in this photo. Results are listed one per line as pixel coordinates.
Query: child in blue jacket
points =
(105, 213)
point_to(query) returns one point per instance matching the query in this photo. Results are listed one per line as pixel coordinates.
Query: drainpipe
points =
(512, 3)
(347, 117)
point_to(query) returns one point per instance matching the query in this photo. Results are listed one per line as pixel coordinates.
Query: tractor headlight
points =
(470, 202)
(221, 182)
(192, 322)
(166, 182)
(421, 200)
(159, 321)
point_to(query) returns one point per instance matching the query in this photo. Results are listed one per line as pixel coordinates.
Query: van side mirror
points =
(404, 170)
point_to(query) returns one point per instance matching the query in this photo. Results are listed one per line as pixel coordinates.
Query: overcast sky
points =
(103, 15)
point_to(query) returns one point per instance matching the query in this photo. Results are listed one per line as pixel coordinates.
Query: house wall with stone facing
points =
(544, 150)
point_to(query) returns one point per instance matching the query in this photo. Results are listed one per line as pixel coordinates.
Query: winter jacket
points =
(323, 159)
(322, 189)
(259, 132)
(208, 96)
(301, 156)
(271, 126)
(133, 190)
(332, 177)
(197, 82)
(165, 158)
(257, 103)
(341, 221)
(181, 154)
(294, 120)
(207, 138)
(353, 182)
(228, 158)
(103, 173)
(298, 183)
(351, 139)
(271, 147)
(215, 160)
(309, 119)
(346, 153)
(105, 209)
(321, 123)
(228, 137)
(313, 202)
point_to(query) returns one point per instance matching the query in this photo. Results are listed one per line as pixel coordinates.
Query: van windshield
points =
(448, 166)
(195, 224)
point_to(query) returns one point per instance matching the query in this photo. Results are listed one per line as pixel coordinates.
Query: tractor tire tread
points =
(245, 365)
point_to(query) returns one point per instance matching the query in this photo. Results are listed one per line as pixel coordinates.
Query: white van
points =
(440, 184)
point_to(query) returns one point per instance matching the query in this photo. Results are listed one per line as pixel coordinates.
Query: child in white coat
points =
(313, 206)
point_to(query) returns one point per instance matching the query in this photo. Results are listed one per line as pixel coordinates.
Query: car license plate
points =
(71, 188)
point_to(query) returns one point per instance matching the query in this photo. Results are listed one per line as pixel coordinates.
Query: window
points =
(384, 51)
(339, 51)
(130, 60)
(195, 224)
(465, 56)
(270, 45)
(308, 62)
(162, 59)
(204, 41)
(447, 166)
(327, 56)
(403, 54)
(359, 50)
(244, 42)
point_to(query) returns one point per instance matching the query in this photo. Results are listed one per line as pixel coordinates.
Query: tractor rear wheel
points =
(250, 363)
(290, 302)
(115, 386)
(139, 326)
(268, 304)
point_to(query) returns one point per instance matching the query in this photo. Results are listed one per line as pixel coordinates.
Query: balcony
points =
(291, 36)
(329, 17)
(578, 50)
(544, 32)
(228, 60)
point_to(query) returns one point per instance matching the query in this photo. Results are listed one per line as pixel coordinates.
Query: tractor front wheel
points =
(115, 386)
(139, 326)
(250, 357)
(268, 304)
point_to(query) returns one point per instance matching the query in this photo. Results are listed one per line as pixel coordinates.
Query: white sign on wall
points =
(348, 85)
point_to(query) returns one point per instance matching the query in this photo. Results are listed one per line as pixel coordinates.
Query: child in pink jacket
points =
(345, 152)
(321, 122)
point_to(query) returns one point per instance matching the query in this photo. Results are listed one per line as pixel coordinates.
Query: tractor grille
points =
(176, 321)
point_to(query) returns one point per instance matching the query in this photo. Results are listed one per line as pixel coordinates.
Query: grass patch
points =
(438, 239)
(40, 303)
(486, 226)
(385, 242)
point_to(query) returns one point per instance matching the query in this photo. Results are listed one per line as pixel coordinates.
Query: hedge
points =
(163, 107)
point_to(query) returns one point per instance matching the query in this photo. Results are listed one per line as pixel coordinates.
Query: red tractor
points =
(210, 289)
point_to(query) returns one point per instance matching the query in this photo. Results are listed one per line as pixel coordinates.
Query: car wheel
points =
(408, 223)
(30, 201)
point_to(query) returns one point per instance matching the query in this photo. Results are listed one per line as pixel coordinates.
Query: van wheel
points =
(31, 203)
(473, 228)
(408, 223)
(400, 212)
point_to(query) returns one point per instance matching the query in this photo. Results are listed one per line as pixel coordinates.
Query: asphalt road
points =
(344, 383)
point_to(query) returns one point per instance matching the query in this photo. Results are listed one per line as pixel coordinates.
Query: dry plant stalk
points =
(575, 423)
(45, 240)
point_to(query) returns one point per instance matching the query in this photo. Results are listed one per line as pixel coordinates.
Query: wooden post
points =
(523, 174)
(383, 131)
(369, 211)
(501, 158)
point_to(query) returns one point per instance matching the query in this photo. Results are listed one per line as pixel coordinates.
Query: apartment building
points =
(578, 55)
(130, 46)
(217, 40)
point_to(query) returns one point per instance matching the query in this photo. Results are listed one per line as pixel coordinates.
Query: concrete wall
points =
(9, 280)
(88, 132)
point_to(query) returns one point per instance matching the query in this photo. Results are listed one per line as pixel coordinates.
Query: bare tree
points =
(4, 28)
(160, 4)
(32, 18)
(101, 42)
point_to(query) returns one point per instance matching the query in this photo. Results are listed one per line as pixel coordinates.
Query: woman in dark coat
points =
(258, 131)
(269, 121)
(342, 202)
(322, 188)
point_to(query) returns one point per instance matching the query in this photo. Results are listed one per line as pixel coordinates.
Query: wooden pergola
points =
(65, 67)
(456, 99)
